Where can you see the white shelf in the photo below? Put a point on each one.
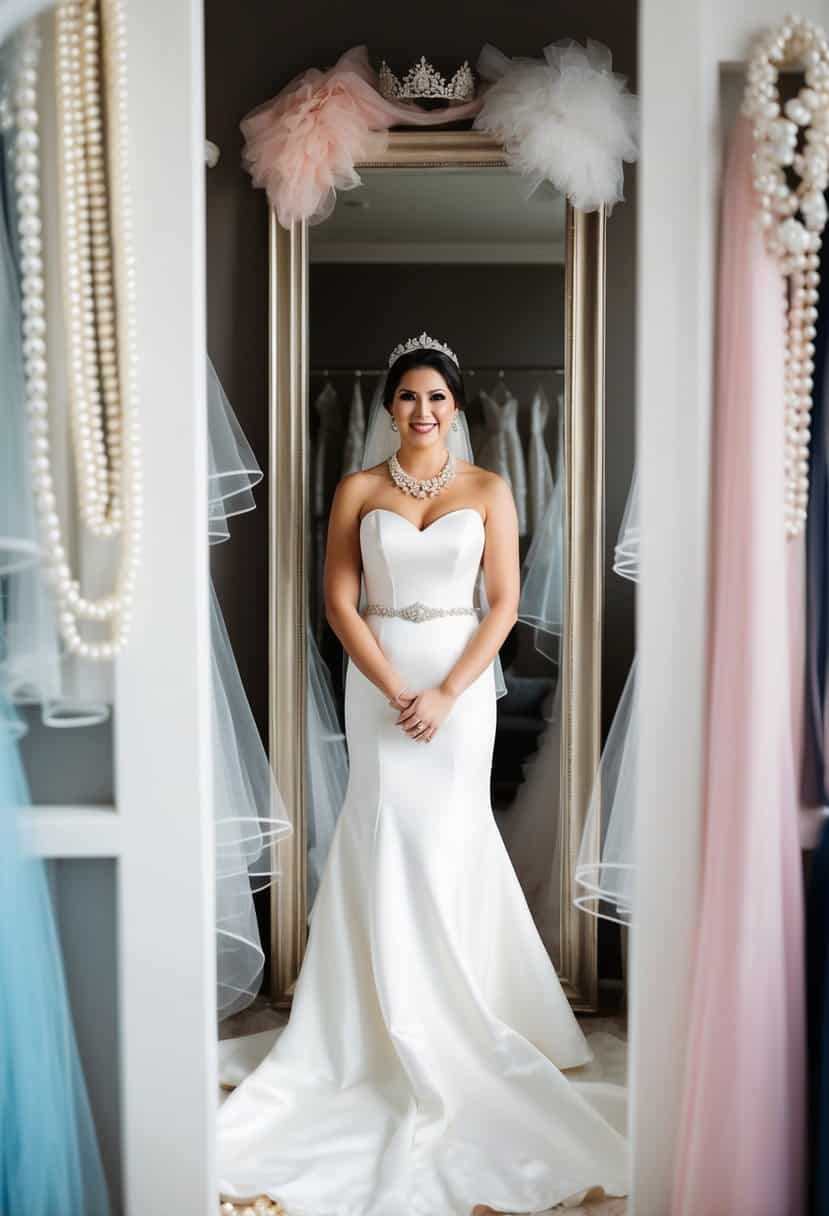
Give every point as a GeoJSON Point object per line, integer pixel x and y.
{"type": "Point", "coordinates": [72, 831]}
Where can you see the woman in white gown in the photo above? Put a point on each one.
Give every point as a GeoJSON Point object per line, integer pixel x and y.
{"type": "Point", "coordinates": [420, 1072]}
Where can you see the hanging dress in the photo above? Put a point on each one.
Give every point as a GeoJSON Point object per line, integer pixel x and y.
{"type": "Point", "coordinates": [740, 1146]}
{"type": "Point", "coordinates": [501, 450]}
{"type": "Point", "coordinates": [541, 603]}
{"type": "Point", "coordinates": [355, 430]}
{"type": "Point", "coordinates": [539, 472]}
{"type": "Point", "coordinates": [325, 473]}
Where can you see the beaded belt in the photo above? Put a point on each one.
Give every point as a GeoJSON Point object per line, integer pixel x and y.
{"type": "Point", "coordinates": [417, 611]}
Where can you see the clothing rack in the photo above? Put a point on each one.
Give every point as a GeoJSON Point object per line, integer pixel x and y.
{"type": "Point", "coordinates": [500, 369]}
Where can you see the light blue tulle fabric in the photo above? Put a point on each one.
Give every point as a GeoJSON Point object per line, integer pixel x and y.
{"type": "Point", "coordinates": [50, 1164]}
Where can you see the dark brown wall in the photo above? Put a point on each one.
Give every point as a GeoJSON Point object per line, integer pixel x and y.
{"type": "Point", "coordinates": [358, 313]}
{"type": "Point", "coordinates": [252, 49]}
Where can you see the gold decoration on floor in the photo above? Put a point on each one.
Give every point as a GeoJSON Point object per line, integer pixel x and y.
{"type": "Point", "coordinates": [263, 1206]}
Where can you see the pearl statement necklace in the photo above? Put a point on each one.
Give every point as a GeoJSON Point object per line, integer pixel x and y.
{"type": "Point", "coordinates": [793, 219]}
{"type": "Point", "coordinates": [109, 473]}
{"type": "Point", "coordinates": [426, 487]}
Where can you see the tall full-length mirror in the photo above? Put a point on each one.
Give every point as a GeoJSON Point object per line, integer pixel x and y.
{"type": "Point", "coordinates": [514, 286]}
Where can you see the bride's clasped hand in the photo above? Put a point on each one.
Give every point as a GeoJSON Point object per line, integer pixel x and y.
{"type": "Point", "coordinates": [422, 713]}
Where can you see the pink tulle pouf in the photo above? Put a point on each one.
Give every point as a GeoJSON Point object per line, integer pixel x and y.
{"type": "Point", "coordinates": [302, 146]}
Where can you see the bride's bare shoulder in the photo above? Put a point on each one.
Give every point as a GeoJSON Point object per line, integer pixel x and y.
{"type": "Point", "coordinates": [491, 489]}
{"type": "Point", "coordinates": [480, 480]}
{"type": "Point", "coordinates": [353, 489]}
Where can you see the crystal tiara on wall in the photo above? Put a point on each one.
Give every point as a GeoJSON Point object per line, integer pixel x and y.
{"type": "Point", "coordinates": [424, 342]}
{"type": "Point", "coordinates": [422, 80]}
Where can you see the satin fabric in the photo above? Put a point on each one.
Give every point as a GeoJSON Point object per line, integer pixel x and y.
{"type": "Point", "coordinates": [420, 1070]}
{"type": "Point", "coordinates": [741, 1136]}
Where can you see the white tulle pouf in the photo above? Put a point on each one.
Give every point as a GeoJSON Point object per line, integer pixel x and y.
{"type": "Point", "coordinates": [567, 119]}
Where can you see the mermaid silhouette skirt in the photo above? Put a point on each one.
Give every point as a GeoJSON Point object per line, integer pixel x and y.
{"type": "Point", "coordinates": [421, 1071]}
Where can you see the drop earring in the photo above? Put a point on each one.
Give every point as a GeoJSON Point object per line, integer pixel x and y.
{"type": "Point", "coordinates": [455, 421]}
{"type": "Point", "coordinates": [393, 425]}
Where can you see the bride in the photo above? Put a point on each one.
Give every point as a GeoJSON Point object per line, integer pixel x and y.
{"type": "Point", "coordinates": [421, 1072]}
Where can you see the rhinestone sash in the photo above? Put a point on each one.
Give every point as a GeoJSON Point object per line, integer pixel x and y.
{"type": "Point", "coordinates": [417, 612]}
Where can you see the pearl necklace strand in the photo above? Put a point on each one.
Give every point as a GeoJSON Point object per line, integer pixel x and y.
{"type": "Point", "coordinates": [87, 268]}
{"type": "Point", "coordinates": [793, 219]}
{"type": "Point", "coordinates": [425, 487]}
{"type": "Point", "coordinates": [72, 606]}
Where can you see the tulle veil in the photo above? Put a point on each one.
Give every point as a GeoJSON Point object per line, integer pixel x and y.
{"type": "Point", "coordinates": [604, 871]}
{"type": "Point", "coordinates": [605, 868]}
{"type": "Point", "coordinates": [249, 813]}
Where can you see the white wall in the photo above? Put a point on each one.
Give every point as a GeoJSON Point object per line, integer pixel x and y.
{"type": "Point", "coordinates": [162, 770]}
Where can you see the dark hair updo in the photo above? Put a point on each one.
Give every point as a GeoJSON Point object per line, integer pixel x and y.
{"type": "Point", "coordinates": [447, 367]}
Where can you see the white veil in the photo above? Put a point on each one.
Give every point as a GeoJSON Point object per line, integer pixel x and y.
{"type": "Point", "coordinates": [604, 871]}
{"type": "Point", "coordinates": [604, 866]}
{"type": "Point", "coordinates": [381, 442]}
{"type": "Point", "coordinates": [249, 813]}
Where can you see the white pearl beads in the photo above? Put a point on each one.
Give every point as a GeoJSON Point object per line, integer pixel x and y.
{"type": "Point", "coordinates": [426, 487]}
{"type": "Point", "coordinates": [794, 241]}
{"type": "Point", "coordinates": [101, 347]}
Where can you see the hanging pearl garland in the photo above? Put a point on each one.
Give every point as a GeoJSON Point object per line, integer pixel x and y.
{"type": "Point", "coordinates": [119, 460]}
{"type": "Point", "coordinates": [793, 218]}
{"type": "Point", "coordinates": [87, 269]}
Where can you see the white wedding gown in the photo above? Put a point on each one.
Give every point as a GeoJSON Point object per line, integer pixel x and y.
{"type": "Point", "coordinates": [420, 1070]}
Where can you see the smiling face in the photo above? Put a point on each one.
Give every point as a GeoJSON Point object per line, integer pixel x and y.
{"type": "Point", "coordinates": [423, 408]}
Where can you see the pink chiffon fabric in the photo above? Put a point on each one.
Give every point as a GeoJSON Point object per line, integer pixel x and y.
{"type": "Point", "coordinates": [302, 145]}
{"type": "Point", "coordinates": [740, 1147]}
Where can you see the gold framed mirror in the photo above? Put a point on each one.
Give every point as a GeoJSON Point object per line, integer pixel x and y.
{"type": "Point", "coordinates": [581, 265]}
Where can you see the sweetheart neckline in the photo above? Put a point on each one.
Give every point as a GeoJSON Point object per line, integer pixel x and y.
{"type": "Point", "coordinates": [420, 531]}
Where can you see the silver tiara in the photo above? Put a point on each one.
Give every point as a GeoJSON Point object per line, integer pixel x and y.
{"type": "Point", "coordinates": [424, 342]}
{"type": "Point", "coordinates": [423, 80]}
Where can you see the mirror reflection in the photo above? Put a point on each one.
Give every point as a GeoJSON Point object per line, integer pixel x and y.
{"type": "Point", "coordinates": [462, 253]}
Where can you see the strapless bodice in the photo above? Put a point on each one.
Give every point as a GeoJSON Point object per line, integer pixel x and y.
{"type": "Point", "coordinates": [437, 565]}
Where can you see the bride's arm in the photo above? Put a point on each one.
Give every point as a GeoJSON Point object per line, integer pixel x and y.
{"type": "Point", "coordinates": [341, 588]}
{"type": "Point", "coordinates": [502, 578]}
